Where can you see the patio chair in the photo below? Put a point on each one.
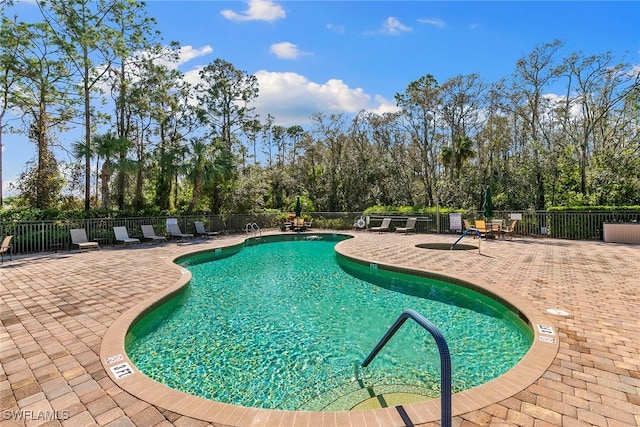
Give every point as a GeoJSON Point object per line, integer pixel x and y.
{"type": "Point", "coordinates": [174, 230]}
{"type": "Point", "coordinates": [123, 236]}
{"type": "Point", "coordinates": [5, 248]}
{"type": "Point", "coordinates": [509, 230]}
{"type": "Point", "coordinates": [480, 225]}
{"type": "Point", "coordinates": [298, 224]}
{"type": "Point", "coordinates": [200, 230]}
{"type": "Point", "coordinates": [149, 233]}
{"type": "Point", "coordinates": [385, 226]}
{"type": "Point", "coordinates": [79, 239]}
{"type": "Point", "coordinates": [307, 224]}
{"type": "Point", "coordinates": [409, 227]}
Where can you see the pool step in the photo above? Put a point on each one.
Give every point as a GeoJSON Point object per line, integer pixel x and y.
{"type": "Point", "coordinates": [357, 396]}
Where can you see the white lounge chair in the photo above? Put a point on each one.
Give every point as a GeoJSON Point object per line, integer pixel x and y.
{"type": "Point", "coordinates": [79, 238]}
{"type": "Point", "coordinates": [200, 230]}
{"type": "Point", "coordinates": [175, 231]}
{"type": "Point", "coordinates": [123, 236]}
{"type": "Point", "coordinates": [385, 226]}
{"type": "Point", "coordinates": [149, 233]}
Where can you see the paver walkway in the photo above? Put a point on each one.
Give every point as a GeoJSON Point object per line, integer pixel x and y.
{"type": "Point", "coordinates": [55, 309]}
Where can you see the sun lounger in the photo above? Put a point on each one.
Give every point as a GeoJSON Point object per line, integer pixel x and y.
{"type": "Point", "coordinates": [123, 236]}
{"type": "Point", "coordinates": [201, 231]}
{"type": "Point", "coordinates": [149, 233]}
{"type": "Point", "coordinates": [79, 238]}
{"type": "Point", "coordinates": [174, 230]}
{"type": "Point", "coordinates": [385, 226]}
{"type": "Point", "coordinates": [410, 226]}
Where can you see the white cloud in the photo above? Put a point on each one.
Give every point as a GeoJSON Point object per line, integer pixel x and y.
{"type": "Point", "coordinates": [259, 10]}
{"type": "Point", "coordinates": [394, 27]}
{"type": "Point", "coordinates": [286, 50]}
{"type": "Point", "coordinates": [292, 98]}
{"type": "Point", "coordinates": [384, 106]}
{"type": "Point", "coordinates": [336, 28]}
{"type": "Point", "coordinates": [193, 75]}
{"type": "Point", "coordinates": [187, 53]}
{"type": "Point", "coordinates": [436, 22]}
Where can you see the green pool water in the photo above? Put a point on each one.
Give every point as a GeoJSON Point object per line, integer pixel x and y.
{"type": "Point", "coordinates": [285, 325]}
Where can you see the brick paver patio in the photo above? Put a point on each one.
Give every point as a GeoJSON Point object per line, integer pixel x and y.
{"type": "Point", "coordinates": [56, 309]}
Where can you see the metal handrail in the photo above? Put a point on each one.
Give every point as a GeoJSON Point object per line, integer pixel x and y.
{"type": "Point", "coordinates": [253, 228]}
{"type": "Point", "coordinates": [443, 349]}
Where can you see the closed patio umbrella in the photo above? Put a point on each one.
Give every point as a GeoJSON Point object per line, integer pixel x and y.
{"type": "Point", "coordinates": [298, 208]}
{"type": "Point", "coordinates": [488, 204]}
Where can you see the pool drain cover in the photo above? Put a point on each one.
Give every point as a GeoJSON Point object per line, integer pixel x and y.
{"type": "Point", "coordinates": [557, 312]}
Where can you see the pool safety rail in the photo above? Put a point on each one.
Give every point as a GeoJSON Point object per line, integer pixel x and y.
{"type": "Point", "coordinates": [443, 349]}
{"type": "Point", "coordinates": [254, 229]}
{"type": "Point", "coordinates": [469, 231]}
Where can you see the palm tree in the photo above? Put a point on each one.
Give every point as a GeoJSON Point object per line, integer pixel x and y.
{"type": "Point", "coordinates": [108, 146]}
{"type": "Point", "coordinates": [209, 167]}
{"type": "Point", "coordinates": [464, 151]}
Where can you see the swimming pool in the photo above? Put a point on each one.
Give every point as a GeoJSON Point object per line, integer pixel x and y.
{"type": "Point", "coordinates": [283, 325]}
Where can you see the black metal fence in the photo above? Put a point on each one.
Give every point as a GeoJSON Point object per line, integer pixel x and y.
{"type": "Point", "coordinates": [575, 225]}
{"type": "Point", "coordinates": [42, 236]}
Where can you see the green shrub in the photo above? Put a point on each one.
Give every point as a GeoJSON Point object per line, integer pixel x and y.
{"type": "Point", "coordinates": [333, 223]}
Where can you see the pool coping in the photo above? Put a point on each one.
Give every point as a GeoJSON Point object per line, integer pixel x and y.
{"type": "Point", "coordinates": [124, 373]}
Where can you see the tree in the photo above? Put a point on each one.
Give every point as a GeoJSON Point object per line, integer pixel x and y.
{"type": "Point", "coordinates": [267, 139]}
{"type": "Point", "coordinates": [462, 101]}
{"type": "Point", "coordinates": [81, 28]}
{"type": "Point", "coordinates": [457, 156]}
{"type": "Point", "coordinates": [330, 131]}
{"type": "Point", "coordinates": [14, 40]}
{"type": "Point", "coordinates": [42, 79]}
{"type": "Point", "coordinates": [137, 52]}
{"type": "Point", "coordinates": [108, 146]}
{"type": "Point", "coordinates": [251, 130]}
{"type": "Point", "coordinates": [602, 86]}
{"type": "Point", "coordinates": [41, 185]}
{"type": "Point", "coordinates": [295, 133]}
{"type": "Point", "coordinates": [223, 97]}
{"type": "Point", "coordinates": [533, 75]}
{"type": "Point", "coordinates": [224, 94]}
{"type": "Point", "coordinates": [420, 103]}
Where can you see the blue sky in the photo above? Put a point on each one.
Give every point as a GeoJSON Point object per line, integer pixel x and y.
{"type": "Point", "coordinates": [327, 56]}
